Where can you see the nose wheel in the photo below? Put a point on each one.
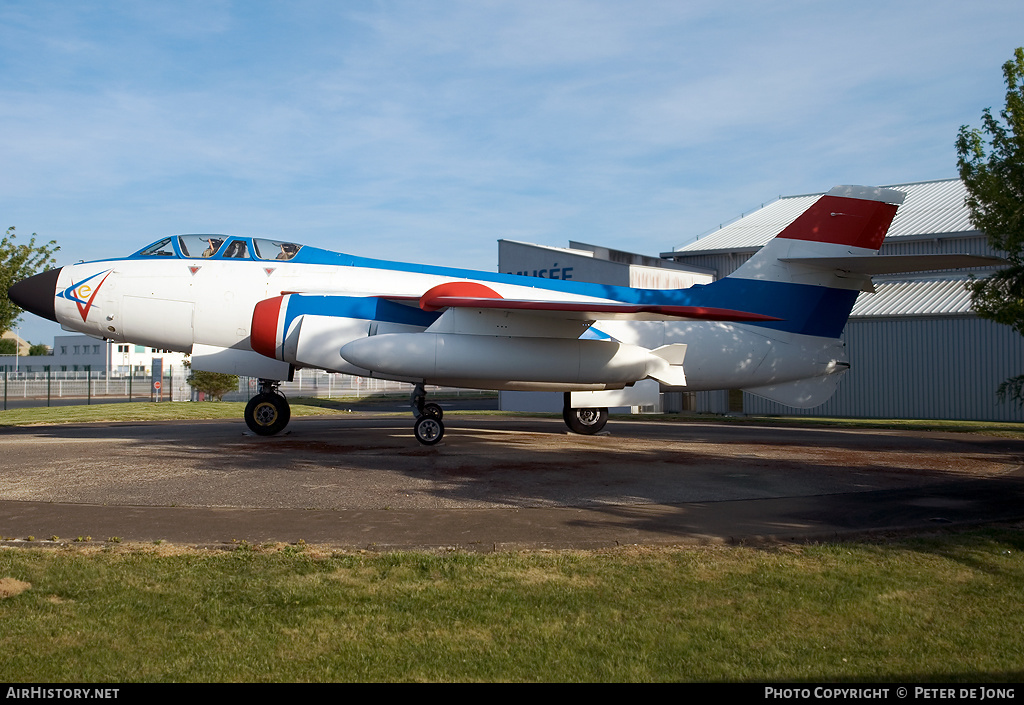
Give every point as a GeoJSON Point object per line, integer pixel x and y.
{"type": "Point", "coordinates": [268, 412]}
{"type": "Point", "coordinates": [428, 429]}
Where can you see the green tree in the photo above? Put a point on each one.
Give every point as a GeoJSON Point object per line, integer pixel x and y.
{"type": "Point", "coordinates": [18, 261]}
{"type": "Point", "coordinates": [8, 346]}
{"type": "Point", "coordinates": [38, 349]}
{"type": "Point", "coordinates": [991, 164]}
{"type": "Point", "coordinates": [214, 384]}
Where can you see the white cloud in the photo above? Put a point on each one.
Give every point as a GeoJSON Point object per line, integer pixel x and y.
{"type": "Point", "coordinates": [429, 130]}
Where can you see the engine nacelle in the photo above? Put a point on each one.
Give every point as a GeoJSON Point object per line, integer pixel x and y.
{"type": "Point", "coordinates": [309, 331]}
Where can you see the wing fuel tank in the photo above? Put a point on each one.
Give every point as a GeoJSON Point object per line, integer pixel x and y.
{"type": "Point", "coordinates": [453, 356]}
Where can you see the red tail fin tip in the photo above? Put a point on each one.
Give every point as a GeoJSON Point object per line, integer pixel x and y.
{"type": "Point", "coordinates": [858, 216]}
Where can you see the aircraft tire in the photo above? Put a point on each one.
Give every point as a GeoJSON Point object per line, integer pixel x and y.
{"type": "Point", "coordinates": [585, 421]}
{"type": "Point", "coordinates": [267, 414]}
{"type": "Point", "coordinates": [433, 411]}
{"type": "Point", "coordinates": [428, 430]}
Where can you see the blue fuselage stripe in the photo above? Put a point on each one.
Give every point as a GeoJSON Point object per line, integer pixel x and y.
{"type": "Point", "coordinates": [361, 307]}
{"type": "Point", "coordinates": [804, 309]}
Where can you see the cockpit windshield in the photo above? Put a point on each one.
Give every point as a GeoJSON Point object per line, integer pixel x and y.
{"type": "Point", "coordinates": [164, 248]}
{"type": "Point", "coordinates": [275, 249]}
{"type": "Point", "coordinates": [200, 245]}
{"type": "Point", "coordinates": [236, 249]}
{"type": "Point", "coordinates": [221, 247]}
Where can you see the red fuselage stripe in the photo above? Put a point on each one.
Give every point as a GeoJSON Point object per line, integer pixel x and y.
{"type": "Point", "coordinates": [263, 336]}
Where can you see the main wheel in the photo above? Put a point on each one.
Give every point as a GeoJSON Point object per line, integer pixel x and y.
{"type": "Point", "coordinates": [433, 410]}
{"type": "Point", "coordinates": [267, 414]}
{"type": "Point", "coordinates": [585, 421]}
{"type": "Point", "coordinates": [428, 430]}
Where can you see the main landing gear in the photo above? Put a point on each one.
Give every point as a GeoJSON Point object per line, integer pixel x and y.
{"type": "Point", "coordinates": [586, 421]}
{"type": "Point", "coordinates": [268, 412]}
{"type": "Point", "coordinates": [428, 428]}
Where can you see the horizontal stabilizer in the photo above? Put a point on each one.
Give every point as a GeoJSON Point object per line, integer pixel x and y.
{"type": "Point", "coordinates": [871, 265]}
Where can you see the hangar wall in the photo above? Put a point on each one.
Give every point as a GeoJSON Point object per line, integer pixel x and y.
{"type": "Point", "coordinates": [920, 368]}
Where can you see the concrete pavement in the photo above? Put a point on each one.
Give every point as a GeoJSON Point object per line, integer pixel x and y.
{"type": "Point", "coordinates": [495, 483]}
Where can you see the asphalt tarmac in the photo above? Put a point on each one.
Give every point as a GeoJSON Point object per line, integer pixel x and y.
{"type": "Point", "coordinates": [361, 481]}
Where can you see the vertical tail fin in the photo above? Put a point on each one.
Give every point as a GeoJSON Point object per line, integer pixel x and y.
{"type": "Point", "coordinates": [848, 221]}
{"type": "Point", "coordinates": [855, 216]}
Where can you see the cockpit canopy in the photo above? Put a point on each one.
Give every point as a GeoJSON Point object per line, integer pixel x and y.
{"type": "Point", "coordinates": [220, 247]}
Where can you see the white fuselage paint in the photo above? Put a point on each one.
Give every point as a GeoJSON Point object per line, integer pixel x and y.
{"type": "Point", "coordinates": [164, 303]}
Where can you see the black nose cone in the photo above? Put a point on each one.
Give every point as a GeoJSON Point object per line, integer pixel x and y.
{"type": "Point", "coordinates": [36, 294]}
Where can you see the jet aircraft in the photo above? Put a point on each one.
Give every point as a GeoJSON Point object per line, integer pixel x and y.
{"type": "Point", "coordinates": [263, 308]}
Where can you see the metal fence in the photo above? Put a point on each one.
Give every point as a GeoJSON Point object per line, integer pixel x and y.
{"type": "Point", "coordinates": [60, 388]}
{"type": "Point", "coordinates": [327, 385]}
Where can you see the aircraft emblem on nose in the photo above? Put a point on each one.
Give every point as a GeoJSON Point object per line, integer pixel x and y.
{"type": "Point", "coordinates": [83, 293]}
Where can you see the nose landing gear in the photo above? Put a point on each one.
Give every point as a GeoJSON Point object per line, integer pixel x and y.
{"type": "Point", "coordinates": [268, 412]}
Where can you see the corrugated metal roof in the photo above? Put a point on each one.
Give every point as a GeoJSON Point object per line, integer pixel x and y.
{"type": "Point", "coordinates": [931, 208]}
{"type": "Point", "coordinates": [756, 229]}
{"type": "Point", "coordinates": [928, 297]}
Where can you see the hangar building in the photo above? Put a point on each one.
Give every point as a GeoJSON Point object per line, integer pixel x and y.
{"type": "Point", "coordinates": [916, 348]}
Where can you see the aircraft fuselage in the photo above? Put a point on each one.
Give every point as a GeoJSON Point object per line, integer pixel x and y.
{"type": "Point", "coordinates": [179, 303]}
{"type": "Point", "coordinates": [263, 308]}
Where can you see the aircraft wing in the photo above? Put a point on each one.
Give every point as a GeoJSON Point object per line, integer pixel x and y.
{"type": "Point", "coordinates": [468, 332]}
{"type": "Point", "coordinates": [477, 296]}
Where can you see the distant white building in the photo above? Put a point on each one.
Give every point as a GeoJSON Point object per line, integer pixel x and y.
{"type": "Point", "coordinates": [77, 353]}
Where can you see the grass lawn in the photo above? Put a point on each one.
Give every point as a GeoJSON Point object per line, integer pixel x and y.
{"type": "Point", "coordinates": [941, 608]}
{"type": "Point", "coordinates": [303, 406]}
{"type": "Point", "coordinates": [147, 411]}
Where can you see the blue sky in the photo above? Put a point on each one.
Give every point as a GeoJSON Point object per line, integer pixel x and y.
{"type": "Point", "coordinates": [425, 131]}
